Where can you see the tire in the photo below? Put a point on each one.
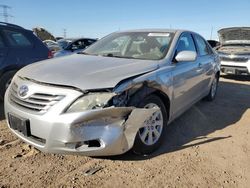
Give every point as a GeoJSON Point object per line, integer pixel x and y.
{"type": "Point", "coordinates": [148, 145]}
{"type": "Point", "coordinates": [213, 90]}
{"type": "Point", "coordinates": [4, 82]}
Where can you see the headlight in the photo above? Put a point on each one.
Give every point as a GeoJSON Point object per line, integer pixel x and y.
{"type": "Point", "coordinates": [90, 101]}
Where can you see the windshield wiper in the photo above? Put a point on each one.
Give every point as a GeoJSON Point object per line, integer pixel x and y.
{"type": "Point", "coordinates": [84, 53]}
{"type": "Point", "coordinates": [112, 55]}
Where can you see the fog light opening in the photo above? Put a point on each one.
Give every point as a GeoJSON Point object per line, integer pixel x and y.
{"type": "Point", "coordinates": [84, 144]}
{"type": "Point", "coordinates": [93, 143]}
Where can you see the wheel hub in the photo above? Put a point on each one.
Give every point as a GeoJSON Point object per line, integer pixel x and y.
{"type": "Point", "coordinates": [151, 132]}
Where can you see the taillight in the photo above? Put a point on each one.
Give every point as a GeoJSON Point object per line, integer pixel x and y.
{"type": "Point", "coordinates": [50, 55]}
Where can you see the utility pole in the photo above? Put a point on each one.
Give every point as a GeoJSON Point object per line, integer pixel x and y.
{"type": "Point", "coordinates": [64, 33]}
{"type": "Point", "coordinates": [211, 34]}
{"type": "Point", "coordinates": [5, 13]}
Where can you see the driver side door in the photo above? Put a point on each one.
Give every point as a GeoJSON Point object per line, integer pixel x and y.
{"type": "Point", "coordinates": [186, 77]}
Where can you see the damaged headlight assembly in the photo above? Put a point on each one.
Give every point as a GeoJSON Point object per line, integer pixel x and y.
{"type": "Point", "coordinates": [90, 102]}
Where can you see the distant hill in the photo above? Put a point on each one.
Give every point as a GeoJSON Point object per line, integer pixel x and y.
{"type": "Point", "coordinates": [43, 34]}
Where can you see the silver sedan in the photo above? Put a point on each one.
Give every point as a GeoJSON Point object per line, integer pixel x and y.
{"type": "Point", "coordinates": [118, 94]}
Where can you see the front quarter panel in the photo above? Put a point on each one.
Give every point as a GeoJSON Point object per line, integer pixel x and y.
{"type": "Point", "coordinates": [138, 88]}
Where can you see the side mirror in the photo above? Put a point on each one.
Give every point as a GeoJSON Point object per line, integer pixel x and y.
{"type": "Point", "coordinates": [186, 56]}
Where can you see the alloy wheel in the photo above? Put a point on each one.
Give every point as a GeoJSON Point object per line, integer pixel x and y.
{"type": "Point", "coordinates": [152, 130]}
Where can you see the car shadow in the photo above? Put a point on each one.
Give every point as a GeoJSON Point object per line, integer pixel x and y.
{"type": "Point", "coordinates": [193, 127]}
{"type": "Point", "coordinates": [237, 77]}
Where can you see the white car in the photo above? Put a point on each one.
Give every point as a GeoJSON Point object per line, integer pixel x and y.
{"type": "Point", "coordinates": [234, 51]}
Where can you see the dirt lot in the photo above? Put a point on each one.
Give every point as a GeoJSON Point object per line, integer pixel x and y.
{"type": "Point", "coordinates": [208, 146]}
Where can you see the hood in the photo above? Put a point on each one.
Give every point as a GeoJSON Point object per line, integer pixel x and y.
{"type": "Point", "coordinates": [234, 35]}
{"type": "Point", "coordinates": [86, 72]}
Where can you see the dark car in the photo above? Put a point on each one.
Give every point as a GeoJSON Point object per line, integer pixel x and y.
{"type": "Point", "coordinates": [18, 48]}
{"type": "Point", "coordinates": [214, 43]}
{"type": "Point", "coordinates": [72, 46]}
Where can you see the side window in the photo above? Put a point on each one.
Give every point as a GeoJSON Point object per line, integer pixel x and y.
{"type": "Point", "coordinates": [201, 45]}
{"type": "Point", "coordinates": [17, 39]}
{"type": "Point", "coordinates": [80, 44]}
{"type": "Point", "coordinates": [185, 43]}
{"type": "Point", "coordinates": [1, 42]}
{"type": "Point", "coordinates": [90, 42]}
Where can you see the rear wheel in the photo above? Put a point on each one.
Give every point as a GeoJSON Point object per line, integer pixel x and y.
{"type": "Point", "coordinates": [213, 89]}
{"type": "Point", "coordinates": [150, 136]}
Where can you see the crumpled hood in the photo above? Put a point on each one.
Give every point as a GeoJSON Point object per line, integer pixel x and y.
{"type": "Point", "coordinates": [86, 72]}
{"type": "Point", "coordinates": [234, 35]}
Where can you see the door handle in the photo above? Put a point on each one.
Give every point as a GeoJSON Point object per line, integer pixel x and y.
{"type": "Point", "coordinates": [199, 68]}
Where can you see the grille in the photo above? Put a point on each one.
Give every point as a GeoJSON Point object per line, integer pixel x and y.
{"type": "Point", "coordinates": [37, 102]}
{"type": "Point", "coordinates": [235, 59]}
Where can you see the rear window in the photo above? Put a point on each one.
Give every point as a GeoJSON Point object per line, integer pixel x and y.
{"type": "Point", "coordinates": [202, 46]}
{"type": "Point", "coordinates": [17, 39]}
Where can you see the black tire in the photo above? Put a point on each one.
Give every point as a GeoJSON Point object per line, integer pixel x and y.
{"type": "Point", "coordinates": [211, 96]}
{"type": "Point", "coordinates": [5, 79]}
{"type": "Point", "coordinates": [139, 146]}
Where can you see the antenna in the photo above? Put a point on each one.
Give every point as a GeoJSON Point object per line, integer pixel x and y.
{"type": "Point", "coordinates": [5, 13]}
{"type": "Point", "coordinates": [211, 34]}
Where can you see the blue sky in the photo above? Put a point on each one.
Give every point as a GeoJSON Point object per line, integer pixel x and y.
{"type": "Point", "coordinates": [92, 18]}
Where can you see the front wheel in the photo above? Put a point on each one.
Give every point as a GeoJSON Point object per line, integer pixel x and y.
{"type": "Point", "coordinates": [150, 136]}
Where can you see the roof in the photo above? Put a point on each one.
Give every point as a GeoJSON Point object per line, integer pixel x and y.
{"type": "Point", "coordinates": [152, 30]}
{"type": "Point", "coordinates": [10, 25]}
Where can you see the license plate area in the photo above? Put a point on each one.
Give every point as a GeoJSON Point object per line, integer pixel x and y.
{"type": "Point", "coordinates": [20, 124]}
{"type": "Point", "coordinates": [230, 71]}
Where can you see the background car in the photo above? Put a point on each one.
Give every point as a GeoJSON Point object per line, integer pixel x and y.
{"type": "Point", "coordinates": [63, 43]}
{"type": "Point", "coordinates": [18, 48]}
{"type": "Point", "coordinates": [214, 43]}
{"type": "Point", "coordinates": [52, 45]}
{"type": "Point", "coordinates": [234, 50]}
{"type": "Point", "coordinates": [70, 46]}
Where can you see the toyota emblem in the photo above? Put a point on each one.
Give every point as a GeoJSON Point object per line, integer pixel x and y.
{"type": "Point", "coordinates": [23, 90]}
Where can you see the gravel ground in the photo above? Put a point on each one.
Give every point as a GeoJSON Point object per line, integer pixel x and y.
{"type": "Point", "coordinates": [208, 146]}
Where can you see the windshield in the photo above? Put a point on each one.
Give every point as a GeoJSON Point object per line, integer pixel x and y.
{"type": "Point", "coordinates": [136, 45]}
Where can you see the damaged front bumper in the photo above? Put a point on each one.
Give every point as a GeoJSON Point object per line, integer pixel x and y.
{"type": "Point", "coordinates": [100, 132]}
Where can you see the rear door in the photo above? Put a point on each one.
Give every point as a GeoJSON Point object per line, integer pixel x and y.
{"type": "Point", "coordinates": [186, 77]}
{"type": "Point", "coordinates": [20, 47]}
{"type": "Point", "coordinates": [3, 52]}
{"type": "Point", "coordinates": [205, 61]}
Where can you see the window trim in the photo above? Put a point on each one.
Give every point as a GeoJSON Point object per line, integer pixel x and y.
{"type": "Point", "coordinates": [177, 43]}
